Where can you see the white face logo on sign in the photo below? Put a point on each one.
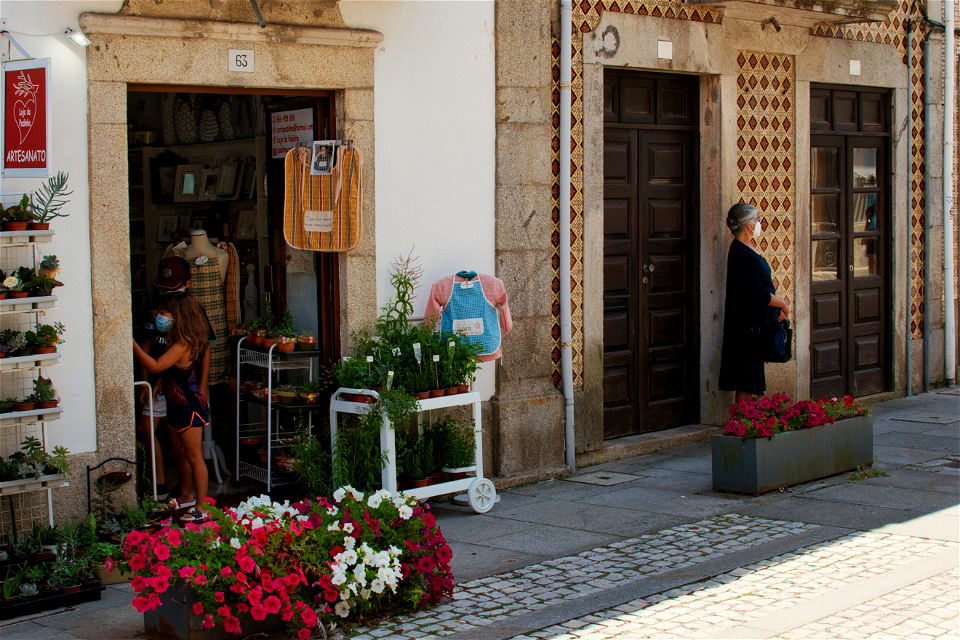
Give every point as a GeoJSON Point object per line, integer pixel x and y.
{"type": "Point", "coordinates": [318, 221]}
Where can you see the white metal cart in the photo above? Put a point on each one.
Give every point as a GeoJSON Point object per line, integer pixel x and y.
{"type": "Point", "coordinates": [271, 360]}
{"type": "Point", "coordinates": [480, 491]}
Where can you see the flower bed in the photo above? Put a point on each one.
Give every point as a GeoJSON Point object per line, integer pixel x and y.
{"type": "Point", "coordinates": [814, 439]}
{"type": "Point", "coordinates": [301, 564]}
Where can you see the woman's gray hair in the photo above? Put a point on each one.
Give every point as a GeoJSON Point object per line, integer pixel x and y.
{"type": "Point", "coordinates": [739, 215]}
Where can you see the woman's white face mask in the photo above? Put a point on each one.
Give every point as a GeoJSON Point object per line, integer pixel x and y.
{"type": "Point", "coordinates": [757, 228]}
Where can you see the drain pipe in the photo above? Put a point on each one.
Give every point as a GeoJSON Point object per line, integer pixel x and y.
{"type": "Point", "coordinates": [949, 106]}
{"type": "Point", "coordinates": [909, 129]}
{"type": "Point", "coordinates": [928, 146]}
{"type": "Point", "coordinates": [566, 353]}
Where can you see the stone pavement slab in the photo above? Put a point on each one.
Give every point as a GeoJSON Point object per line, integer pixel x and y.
{"type": "Point", "coordinates": [885, 496]}
{"type": "Point", "coordinates": [686, 481]}
{"type": "Point", "coordinates": [473, 561]}
{"type": "Point", "coordinates": [919, 481]}
{"type": "Point", "coordinates": [923, 441]}
{"type": "Point", "coordinates": [477, 528]}
{"type": "Point", "coordinates": [851, 516]}
{"type": "Point", "coordinates": [657, 501]}
{"type": "Point", "coordinates": [901, 457]}
{"type": "Point", "coordinates": [940, 525]}
{"type": "Point", "coordinates": [592, 517]}
{"type": "Point", "coordinates": [699, 464]}
{"type": "Point", "coordinates": [548, 541]}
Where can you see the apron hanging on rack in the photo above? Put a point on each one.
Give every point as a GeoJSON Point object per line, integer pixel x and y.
{"type": "Point", "coordinates": [322, 213]}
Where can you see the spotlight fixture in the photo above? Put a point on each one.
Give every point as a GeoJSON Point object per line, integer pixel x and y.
{"type": "Point", "coordinates": [77, 37]}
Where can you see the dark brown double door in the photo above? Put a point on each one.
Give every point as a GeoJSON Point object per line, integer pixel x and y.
{"type": "Point", "coordinates": [849, 247]}
{"type": "Point", "coordinates": [651, 339]}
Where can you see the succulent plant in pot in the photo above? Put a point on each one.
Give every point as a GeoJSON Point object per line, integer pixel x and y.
{"type": "Point", "coordinates": [27, 404]}
{"type": "Point", "coordinates": [14, 286]}
{"type": "Point", "coordinates": [287, 393]}
{"type": "Point", "coordinates": [17, 345]}
{"type": "Point", "coordinates": [310, 391]}
{"type": "Point", "coordinates": [48, 337]}
{"type": "Point", "coordinates": [45, 393]}
{"type": "Point", "coordinates": [48, 200]}
{"type": "Point", "coordinates": [306, 341]}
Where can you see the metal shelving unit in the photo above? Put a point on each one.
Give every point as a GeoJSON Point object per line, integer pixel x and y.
{"type": "Point", "coordinates": [480, 491]}
{"type": "Point", "coordinates": [273, 361]}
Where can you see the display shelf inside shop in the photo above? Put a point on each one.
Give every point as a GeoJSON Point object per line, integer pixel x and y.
{"type": "Point", "coordinates": [25, 238]}
{"type": "Point", "coordinates": [26, 417]}
{"type": "Point", "coordinates": [25, 485]}
{"type": "Point", "coordinates": [26, 305]}
{"type": "Point", "coordinates": [26, 363]}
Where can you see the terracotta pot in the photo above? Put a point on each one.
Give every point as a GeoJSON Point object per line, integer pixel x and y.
{"type": "Point", "coordinates": [286, 347]}
{"type": "Point", "coordinates": [269, 342]}
{"type": "Point", "coordinates": [362, 399]}
{"type": "Point", "coordinates": [71, 589]}
{"type": "Point", "coordinates": [437, 478]}
{"type": "Point", "coordinates": [284, 463]}
{"type": "Point", "coordinates": [252, 338]}
{"type": "Point", "coordinates": [463, 388]}
{"type": "Point", "coordinates": [309, 398]}
{"type": "Point", "coordinates": [287, 398]}
{"type": "Point", "coordinates": [250, 442]}
{"type": "Point", "coordinates": [24, 406]}
{"type": "Point", "coordinates": [17, 294]}
{"type": "Point", "coordinates": [3, 295]}
{"type": "Point", "coordinates": [3, 354]}
{"type": "Point", "coordinates": [419, 484]}
{"type": "Point", "coordinates": [452, 391]}
{"type": "Point", "coordinates": [421, 395]}
{"type": "Point", "coordinates": [436, 393]}
{"type": "Point", "coordinates": [305, 343]}
{"type": "Point", "coordinates": [26, 351]}
{"type": "Point", "coordinates": [38, 554]}
{"type": "Point", "coordinates": [457, 475]}
{"type": "Point", "coordinates": [258, 341]}
{"type": "Point", "coordinates": [14, 226]}
{"type": "Point", "coordinates": [50, 404]}
{"type": "Point", "coordinates": [262, 453]}
{"type": "Point", "coordinates": [38, 226]}
{"type": "Point", "coordinates": [234, 385]}
{"type": "Point", "coordinates": [45, 350]}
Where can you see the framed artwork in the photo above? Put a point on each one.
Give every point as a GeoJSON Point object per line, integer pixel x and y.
{"type": "Point", "coordinates": [324, 157]}
{"type": "Point", "coordinates": [167, 228]}
{"type": "Point", "coordinates": [209, 184]}
{"type": "Point", "coordinates": [228, 179]}
{"type": "Point", "coordinates": [248, 183]}
{"type": "Point", "coordinates": [163, 176]}
{"type": "Point", "coordinates": [188, 184]}
{"type": "Point", "coordinates": [246, 225]}
{"type": "Point", "coordinates": [198, 220]}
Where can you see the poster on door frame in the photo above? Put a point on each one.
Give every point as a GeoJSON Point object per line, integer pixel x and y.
{"type": "Point", "coordinates": [288, 128]}
{"type": "Point", "coordinates": [26, 119]}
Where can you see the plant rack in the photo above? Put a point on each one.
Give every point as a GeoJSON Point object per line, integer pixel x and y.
{"type": "Point", "coordinates": [481, 493]}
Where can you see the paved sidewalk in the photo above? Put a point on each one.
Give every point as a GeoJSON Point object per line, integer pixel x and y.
{"type": "Point", "coordinates": [644, 548]}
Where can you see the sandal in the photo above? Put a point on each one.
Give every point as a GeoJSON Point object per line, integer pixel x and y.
{"type": "Point", "coordinates": [194, 515]}
{"type": "Point", "coordinates": [176, 504]}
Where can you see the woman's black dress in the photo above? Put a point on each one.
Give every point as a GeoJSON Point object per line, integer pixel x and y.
{"type": "Point", "coordinates": [749, 287]}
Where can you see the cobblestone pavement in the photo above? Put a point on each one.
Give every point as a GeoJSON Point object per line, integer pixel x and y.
{"type": "Point", "coordinates": [496, 598]}
{"type": "Point", "coordinates": [775, 591]}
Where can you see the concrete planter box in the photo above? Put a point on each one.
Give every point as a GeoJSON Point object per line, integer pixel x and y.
{"type": "Point", "coordinates": [758, 465]}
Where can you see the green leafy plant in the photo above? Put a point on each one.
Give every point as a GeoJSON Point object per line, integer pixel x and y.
{"type": "Point", "coordinates": [418, 460]}
{"type": "Point", "coordinates": [31, 340]}
{"type": "Point", "coordinates": [42, 282]}
{"type": "Point", "coordinates": [44, 535]}
{"type": "Point", "coordinates": [58, 460]}
{"type": "Point", "coordinates": [458, 442]}
{"type": "Point", "coordinates": [11, 584]}
{"type": "Point", "coordinates": [309, 387]}
{"type": "Point", "coordinates": [19, 212]}
{"type": "Point", "coordinates": [399, 406]}
{"type": "Point", "coordinates": [49, 199]}
{"type": "Point", "coordinates": [48, 335]}
{"type": "Point", "coordinates": [314, 462]}
{"type": "Point", "coordinates": [36, 457]}
{"type": "Point", "coordinates": [43, 389]}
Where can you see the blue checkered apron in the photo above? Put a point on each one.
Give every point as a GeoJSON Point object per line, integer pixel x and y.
{"type": "Point", "coordinates": [469, 312]}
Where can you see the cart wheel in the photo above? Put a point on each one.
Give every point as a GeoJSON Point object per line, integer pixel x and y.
{"type": "Point", "coordinates": [482, 494]}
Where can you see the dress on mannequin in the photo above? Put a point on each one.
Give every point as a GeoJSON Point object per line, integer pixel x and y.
{"type": "Point", "coordinates": [208, 270]}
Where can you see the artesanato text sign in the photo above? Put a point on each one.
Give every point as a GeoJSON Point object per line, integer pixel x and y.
{"type": "Point", "coordinates": [26, 118]}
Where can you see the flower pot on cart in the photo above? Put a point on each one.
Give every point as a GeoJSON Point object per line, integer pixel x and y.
{"type": "Point", "coordinates": [759, 465]}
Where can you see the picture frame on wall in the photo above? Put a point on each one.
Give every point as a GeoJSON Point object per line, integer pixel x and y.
{"type": "Point", "coordinates": [227, 184]}
{"type": "Point", "coordinates": [167, 228]}
{"type": "Point", "coordinates": [188, 184]}
{"type": "Point", "coordinates": [245, 227]}
{"type": "Point", "coordinates": [248, 183]}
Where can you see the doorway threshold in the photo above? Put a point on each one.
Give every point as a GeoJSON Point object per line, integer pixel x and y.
{"type": "Point", "coordinates": [645, 443]}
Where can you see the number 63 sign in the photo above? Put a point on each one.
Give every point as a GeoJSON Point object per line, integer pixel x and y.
{"type": "Point", "coordinates": [240, 60]}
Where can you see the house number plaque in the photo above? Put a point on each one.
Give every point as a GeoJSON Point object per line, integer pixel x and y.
{"type": "Point", "coordinates": [240, 60]}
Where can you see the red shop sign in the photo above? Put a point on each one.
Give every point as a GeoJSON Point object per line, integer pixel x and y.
{"type": "Point", "coordinates": [26, 118]}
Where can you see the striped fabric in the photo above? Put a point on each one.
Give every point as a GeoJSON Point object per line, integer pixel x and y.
{"type": "Point", "coordinates": [340, 192]}
{"type": "Point", "coordinates": [231, 286]}
{"type": "Point", "coordinates": [208, 290]}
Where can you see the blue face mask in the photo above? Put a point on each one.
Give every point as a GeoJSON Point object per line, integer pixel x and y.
{"type": "Point", "coordinates": [163, 323]}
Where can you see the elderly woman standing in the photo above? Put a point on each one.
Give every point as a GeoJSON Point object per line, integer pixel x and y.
{"type": "Point", "coordinates": [750, 293]}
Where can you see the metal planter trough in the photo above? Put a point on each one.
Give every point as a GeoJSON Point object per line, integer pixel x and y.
{"type": "Point", "coordinates": [758, 465]}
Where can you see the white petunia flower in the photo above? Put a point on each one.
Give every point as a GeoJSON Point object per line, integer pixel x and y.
{"type": "Point", "coordinates": [360, 574]}
{"type": "Point", "coordinates": [235, 543]}
{"type": "Point", "coordinates": [405, 512]}
{"type": "Point", "coordinates": [377, 585]}
{"type": "Point", "coordinates": [338, 578]}
{"type": "Point", "coordinates": [348, 527]}
{"type": "Point", "coordinates": [349, 542]}
{"type": "Point", "coordinates": [339, 494]}
{"type": "Point", "coordinates": [332, 511]}
{"type": "Point", "coordinates": [365, 594]}
{"type": "Point", "coordinates": [374, 501]}
{"type": "Point", "coordinates": [357, 495]}
{"type": "Point", "coordinates": [334, 527]}
{"type": "Point", "coordinates": [349, 556]}
{"type": "Point", "coordinates": [342, 609]}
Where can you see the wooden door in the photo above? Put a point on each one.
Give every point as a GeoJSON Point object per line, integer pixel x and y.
{"type": "Point", "coordinates": [849, 162]}
{"type": "Point", "coordinates": [651, 341]}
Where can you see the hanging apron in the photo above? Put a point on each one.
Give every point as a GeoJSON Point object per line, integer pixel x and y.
{"type": "Point", "coordinates": [470, 313]}
{"type": "Point", "coordinates": [322, 213]}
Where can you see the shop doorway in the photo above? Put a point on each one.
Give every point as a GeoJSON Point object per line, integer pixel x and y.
{"type": "Point", "coordinates": [850, 242]}
{"type": "Point", "coordinates": [651, 205]}
{"type": "Point", "coordinates": [204, 159]}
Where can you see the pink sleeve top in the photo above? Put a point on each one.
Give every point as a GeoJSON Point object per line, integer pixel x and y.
{"type": "Point", "coordinates": [493, 289]}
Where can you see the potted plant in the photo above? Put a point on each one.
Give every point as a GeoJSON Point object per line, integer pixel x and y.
{"type": "Point", "coordinates": [27, 404]}
{"type": "Point", "coordinates": [48, 337]}
{"type": "Point", "coordinates": [306, 341]}
{"type": "Point", "coordinates": [44, 393]}
{"type": "Point", "coordinates": [70, 572]}
{"type": "Point", "coordinates": [772, 442]}
{"type": "Point", "coordinates": [418, 460]}
{"type": "Point", "coordinates": [47, 202]}
{"type": "Point", "coordinates": [42, 282]}
{"type": "Point", "coordinates": [44, 542]}
{"type": "Point", "coordinates": [6, 405]}
{"type": "Point", "coordinates": [309, 391]}
{"type": "Point", "coordinates": [459, 449]}
{"type": "Point", "coordinates": [419, 380]}
{"type": "Point", "coordinates": [17, 217]}
{"type": "Point", "coordinates": [14, 286]}
{"type": "Point", "coordinates": [287, 394]}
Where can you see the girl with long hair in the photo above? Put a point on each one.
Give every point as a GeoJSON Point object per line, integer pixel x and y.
{"type": "Point", "coordinates": [183, 367]}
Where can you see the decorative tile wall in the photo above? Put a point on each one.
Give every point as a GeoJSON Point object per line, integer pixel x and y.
{"type": "Point", "coordinates": [766, 157]}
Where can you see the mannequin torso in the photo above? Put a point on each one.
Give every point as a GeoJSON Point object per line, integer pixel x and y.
{"type": "Point", "coordinates": [200, 246]}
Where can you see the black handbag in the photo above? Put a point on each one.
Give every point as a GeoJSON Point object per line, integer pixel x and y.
{"type": "Point", "coordinates": [776, 338]}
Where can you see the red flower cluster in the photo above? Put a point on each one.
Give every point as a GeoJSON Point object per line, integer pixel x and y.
{"type": "Point", "coordinates": [765, 417]}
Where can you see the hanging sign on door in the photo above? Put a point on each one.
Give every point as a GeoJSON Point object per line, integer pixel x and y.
{"type": "Point", "coordinates": [26, 121]}
{"type": "Point", "coordinates": [287, 128]}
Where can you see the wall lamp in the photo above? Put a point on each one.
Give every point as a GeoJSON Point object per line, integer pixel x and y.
{"type": "Point", "coordinates": [77, 37]}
